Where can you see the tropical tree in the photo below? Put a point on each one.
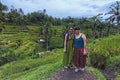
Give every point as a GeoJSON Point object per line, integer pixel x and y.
{"type": "Point", "coordinates": [3, 7]}
{"type": "Point", "coordinates": [47, 34]}
{"type": "Point", "coordinates": [96, 25]}
{"type": "Point", "coordinates": [114, 13]}
{"type": "Point", "coordinates": [2, 15]}
{"type": "Point", "coordinates": [13, 15]}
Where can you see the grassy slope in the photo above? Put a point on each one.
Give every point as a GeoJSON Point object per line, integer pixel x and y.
{"type": "Point", "coordinates": [37, 69]}
{"type": "Point", "coordinates": [108, 48]}
{"type": "Point", "coordinates": [34, 69]}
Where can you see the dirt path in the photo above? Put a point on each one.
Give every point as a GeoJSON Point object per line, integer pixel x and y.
{"type": "Point", "coordinates": [69, 74]}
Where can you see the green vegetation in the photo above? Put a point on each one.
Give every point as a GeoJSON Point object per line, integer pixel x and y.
{"type": "Point", "coordinates": [105, 53]}
{"type": "Point", "coordinates": [37, 69]}
{"type": "Point", "coordinates": [18, 46]}
{"type": "Point", "coordinates": [103, 49]}
{"type": "Point", "coordinates": [97, 73]}
{"type": "Point", "coordinates": [20, 43]}
{"type": "Point", "coordinates": [113, 61]}
{"type": "Point", "coordinates": [33, 69]}
{"type": "Point", "coordinates": [118, 77]}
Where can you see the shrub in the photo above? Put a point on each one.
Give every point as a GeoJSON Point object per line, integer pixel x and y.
{"type": "Point", "coordinates": [32, 69]}
{"type": "Point", "coordinates": [104, 48]}
{"type": "Point", "coordinates": [56, 42]}
{"type": "Point", "coordinates": [18, 46]}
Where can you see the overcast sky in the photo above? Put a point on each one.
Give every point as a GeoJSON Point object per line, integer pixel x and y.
{"type": "Point", "coordinates": [63, 8]}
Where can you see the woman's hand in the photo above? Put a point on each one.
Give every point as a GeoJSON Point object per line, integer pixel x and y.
{"type": "Point", "coordinates": [64, 50]}
{"type": "Point", "coordinates": [85, 52]}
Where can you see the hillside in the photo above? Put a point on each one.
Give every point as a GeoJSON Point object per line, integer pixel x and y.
{"type": "Point", "coordinates": [37, 69]}
{"type": "Point", "coordinates": [31, 45]}
{"type": "Point", "coordinates": [105, 55]}
{"type": "Point", "coordinates": [21, 56]}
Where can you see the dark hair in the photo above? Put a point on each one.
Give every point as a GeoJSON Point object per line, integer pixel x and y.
{"type": "Point", "coordinates": [77, 28]}
{"type": "Point", "coordinates": [70, 27]}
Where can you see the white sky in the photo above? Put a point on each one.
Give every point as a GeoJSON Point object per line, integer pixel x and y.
{"type": "Point", "coordinates": [63, 8]}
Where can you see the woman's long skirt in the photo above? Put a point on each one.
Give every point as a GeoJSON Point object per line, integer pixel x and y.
{"type": "Point", "coordinates": [79, 60]}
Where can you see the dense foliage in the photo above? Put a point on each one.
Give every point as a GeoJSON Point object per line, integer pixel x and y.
{"type": "Point", "coordinates": [26, 69]}
{"type": "Point", "coordinates": [99, 27]}
{"type": "Point", "coordinates": [17, 46]}
{"type": "Point", "coordinates": [37, 69]}
{"type": "Point", "coordinates": [105, 51]}
{"type": "Point", "coordinates": [20, 44]}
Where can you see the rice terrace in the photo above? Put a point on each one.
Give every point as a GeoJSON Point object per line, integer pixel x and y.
{"type": "Point", "coordinates": [32, 39]}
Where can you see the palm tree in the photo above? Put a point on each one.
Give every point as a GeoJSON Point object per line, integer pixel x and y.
{"type": "Point", "coordinates": [3, 7]}
{"type": "Point", "coordinates": [114, 13]}
{"type": "Point", "coordinates": [96, 24]}
{"type": "Point", "coordinates": [46, 34]}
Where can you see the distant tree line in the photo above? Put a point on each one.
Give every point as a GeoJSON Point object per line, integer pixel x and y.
{"type": "Point", "coordinates": [99, 27]}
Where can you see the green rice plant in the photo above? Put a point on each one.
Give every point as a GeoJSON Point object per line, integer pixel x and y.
{"type": "Point", "coordinates": [118, 77]}
{"type": "Point", "coordinates": [44, 72]}
{"type": "Point", "coordinates": [18, 46]}
{"type": "Point", "coordinates": [38, 69]}
{"type": "Point", "coordinates": [104, 48]}
{"type": "Point", "coordinates": [33, 28]}
{"type": "Point", "coordinates": [97, 73]}
{"type": "Point", "coordinates": [56, 42]}
{"type": "Point", "coordinates": [113, 61]}
{"type": "Point", "coordinates": [21, 67]}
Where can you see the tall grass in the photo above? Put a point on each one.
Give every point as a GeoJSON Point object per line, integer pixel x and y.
{"type": "Point", "coordinates": [32, 69]}
{"type": "Point", "coordinates": [97, 73]}
{"type": "Point", "coordinates": [18, 46]}
{"type": "Point", "coordinates": [37, 69]}
{"type": "Point", "coordinates": [103, 49]}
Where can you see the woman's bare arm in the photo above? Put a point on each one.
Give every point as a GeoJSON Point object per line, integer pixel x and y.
{"type": "Point", "coordinates": [84, 39]}
{"type": "Point", "coordinates": [65, 41]}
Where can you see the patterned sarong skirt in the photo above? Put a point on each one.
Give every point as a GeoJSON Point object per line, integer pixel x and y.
{"type": "Point", "coordinates": [79, 60]}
